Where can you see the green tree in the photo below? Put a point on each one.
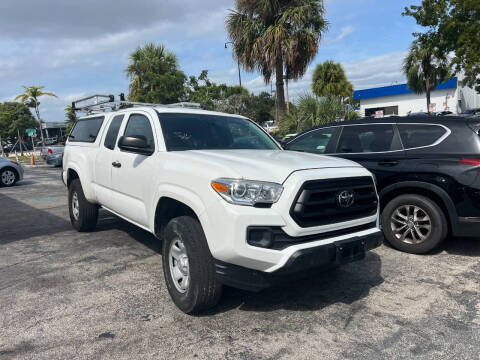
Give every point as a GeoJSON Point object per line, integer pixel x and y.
{"type": "Point", "coordinates": [276, 36]}
{"type": "Point", "coordinates": [424, 68]}
{"type": "Point", "coordinates": [208, 93]}
{"type": "Point", "coordinates": [30, 97]}
{"type": "Point", "coordinates": [456, 27]}
{"type": "Point", "coordinates": [71, 118]}
{"type": "Point", "coordinates": [255, 107]}
{"type": "Point", "coordinates": [15, 118]}
{"type": "Point", "coordinates": [329, 78]}
{"type": "Point", "coordinates": [312, 111]}
{"type": "Point", "coordinates": [154, 76]}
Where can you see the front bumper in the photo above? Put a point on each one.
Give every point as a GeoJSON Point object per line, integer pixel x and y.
{"type": "Point", "coordinates": [302, 261]}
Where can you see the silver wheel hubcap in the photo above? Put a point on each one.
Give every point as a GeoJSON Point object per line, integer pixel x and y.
{"type": "Point", "coordinates": [411, 224]}
{"type": "Point", "coordinates": [75, 206]}
{"type": "Point", "coordinates": [179, 266]}
{"type": "Point", "coordinates": [8, 177]}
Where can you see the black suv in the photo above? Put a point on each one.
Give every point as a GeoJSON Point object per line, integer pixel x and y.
{"type": "Point", "coordinates": [427, 171]}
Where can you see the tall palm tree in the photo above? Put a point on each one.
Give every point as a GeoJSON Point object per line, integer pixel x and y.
{"type": "Point", "coordinates": [329, 79]}
{"type": "Point", "coordinates": [154, 75]}
{"type": "Point", "coordinates": [273, 36]}
{"type": "Point", "coordinates": [424, 68]}
{"type": "Point", "coordinates": [30, 98]}
{"type": "Point", "coordinates": [71, 118]}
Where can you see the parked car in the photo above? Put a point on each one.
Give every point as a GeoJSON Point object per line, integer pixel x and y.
{"type": "Point", "coordinates": [427, 171]}
{"type": "Point", "coordinates": [10, 172]}
{"type": "Point", "coordinates": [472, 112]}
{"type": "Point", "coordinates": [53, 155]}
{"type": "Point", "coordinates": [229, 204]}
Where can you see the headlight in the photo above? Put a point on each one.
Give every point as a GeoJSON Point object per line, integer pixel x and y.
{"type": "Point", "coordinates": [246, 192]}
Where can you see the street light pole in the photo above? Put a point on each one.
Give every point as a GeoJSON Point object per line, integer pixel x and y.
{"type": "Point", "coordinates": [238, 64]}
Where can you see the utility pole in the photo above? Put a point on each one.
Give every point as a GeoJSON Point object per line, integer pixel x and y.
{"type": "Point", "coordinates": [238, 64]}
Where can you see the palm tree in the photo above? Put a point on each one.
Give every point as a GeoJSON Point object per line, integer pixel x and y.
{"type": "Point", "coordinates": [71, 118]}
{"type": "Point", "coordinates": [30, 98]}
{"type": "Point", "coordinates": [329, 79]}
{"type": "Point", "coordinates": [154, 75]}
{"type": "Point", "coordinates": [273, 36]}
{"type": "Point", "coordinates": [424, 68]}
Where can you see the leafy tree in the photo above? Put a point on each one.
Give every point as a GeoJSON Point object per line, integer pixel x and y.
{"type": "Point", "coordinates": [424, 68]}
{"type": "Point", "coordinates": [15, 118]}
{"type": "Point", "coordinates": [209, 93]}
{"type": "Point", "coordinates": [273, 36]}
{"type": "Point", "coordinates": [329, 79]}
{"type": "Point", "coordinates": [30, 98]}
{"type": "Point", "coordinates": [71, 118]}
{"type": "Point", "coordinates": [256, 107]}
{"type": "Point", "coordinates": [455, 24]}
{"type": "Point", "coordinates": [154, 76]}
{"type": "Point", "coordinates": [312, 111]}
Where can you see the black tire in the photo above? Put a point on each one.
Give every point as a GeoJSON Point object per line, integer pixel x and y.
{"type": "Point", "coordinates": [204, 290]}
{"type": "Point", "coordinates": [438, 230]}
{"type": "Point", "coordinates": [87, 215]}
{"type": "Point", "coordinates": [3, 172]}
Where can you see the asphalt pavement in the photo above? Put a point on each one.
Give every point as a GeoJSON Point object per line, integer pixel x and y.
{"type": "Point", "coordinates": [102, 295]}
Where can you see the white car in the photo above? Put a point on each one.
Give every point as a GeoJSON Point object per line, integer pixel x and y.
{"type": "Point", "coordinates": [11, 172]}
{"type": "Point", "coordinates": [230, 206]}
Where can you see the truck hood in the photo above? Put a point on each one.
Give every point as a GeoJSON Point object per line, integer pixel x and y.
{"type": "Point", "coordinates": [262, 165]}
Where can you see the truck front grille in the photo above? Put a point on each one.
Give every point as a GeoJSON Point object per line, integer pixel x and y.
{"type": "Point", "coordinates": [330, 201]}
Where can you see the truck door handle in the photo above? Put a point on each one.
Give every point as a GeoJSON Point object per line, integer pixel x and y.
{"type": "Point", "coordinates": [388, 163]}
{"type": "Point", "coordinates": [116, 164]}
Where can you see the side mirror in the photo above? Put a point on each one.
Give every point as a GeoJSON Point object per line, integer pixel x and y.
{"type": "Point", "coordinates": [136, 144]}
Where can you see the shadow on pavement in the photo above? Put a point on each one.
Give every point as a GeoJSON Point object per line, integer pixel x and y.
{"type": "Point", "coordinates": [19, 221]}
{"type": "Point", "coordinates": [463, 246]}
{"type": "Point", "coordinates": [346, 285]}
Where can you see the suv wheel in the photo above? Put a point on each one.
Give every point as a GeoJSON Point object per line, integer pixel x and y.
{"type": "Point", "coordinates": [8, 177]}
{"type": "Point", "coordinates": [188, 266]}
{"type": "Point", "coordinates": [414, 224]}
{"type": "Point", "coordinates": [83, 215]}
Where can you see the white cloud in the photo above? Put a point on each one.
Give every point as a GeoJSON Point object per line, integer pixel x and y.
{"type": "Point", "coordinates": [375, 71]}
{"type": "Point", "coordinates": [344, 32]}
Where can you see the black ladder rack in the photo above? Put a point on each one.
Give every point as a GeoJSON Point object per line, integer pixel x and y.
{"type": "Point", "coordinates": [106, 103]}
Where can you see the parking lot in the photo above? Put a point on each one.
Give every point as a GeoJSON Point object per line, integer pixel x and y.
{"type": "Point", "coordinates": [65, 294]}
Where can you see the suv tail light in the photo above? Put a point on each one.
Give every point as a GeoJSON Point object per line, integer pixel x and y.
{"type": "Point", "coordinates": [472, 162]}
{"type": "Point", "coordinates": [50, 151]}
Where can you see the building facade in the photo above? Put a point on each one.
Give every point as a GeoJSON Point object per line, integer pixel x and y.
{"type": "Point", "coordinates": [400, 100]}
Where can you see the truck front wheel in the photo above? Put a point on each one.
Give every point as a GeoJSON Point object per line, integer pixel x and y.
{"type": "Point", "coordinates": [83, 215]}
{"type": "Point", "coordinates": [188, 266]}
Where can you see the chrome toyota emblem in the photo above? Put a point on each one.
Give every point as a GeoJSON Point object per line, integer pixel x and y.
{"type": "Point", "coordinates": [345, 198]}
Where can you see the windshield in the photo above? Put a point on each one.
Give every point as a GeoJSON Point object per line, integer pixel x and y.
{"type": "Point", "coordinates": [211, 132]}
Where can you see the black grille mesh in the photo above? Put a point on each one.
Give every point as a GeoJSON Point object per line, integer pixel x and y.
{"type": "Point", "coordinates": [317, 203]}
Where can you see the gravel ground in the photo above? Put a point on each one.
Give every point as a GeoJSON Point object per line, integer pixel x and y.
{"type": "Point", "coordinates": [102, 295]}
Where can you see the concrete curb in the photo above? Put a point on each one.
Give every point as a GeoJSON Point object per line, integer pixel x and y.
{"type": "Point", "coordinates": [28, 166]}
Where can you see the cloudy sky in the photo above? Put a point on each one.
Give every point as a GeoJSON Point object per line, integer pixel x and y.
{"type": "Point", "coordinates": [76, 48]}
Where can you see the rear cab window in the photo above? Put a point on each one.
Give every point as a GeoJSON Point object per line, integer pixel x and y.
{"type": "Point", "coordinates": [86, 130]}
{"type": "Point", "coordinates": [112, 133]}
{"type": "Point", "coordinates": [421, 135]}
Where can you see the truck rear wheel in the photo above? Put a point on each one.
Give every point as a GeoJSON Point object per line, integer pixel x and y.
{"type": "Point", "coordinates": [189, 267]}
{"type": "Point", "coordinates": [83, 215]}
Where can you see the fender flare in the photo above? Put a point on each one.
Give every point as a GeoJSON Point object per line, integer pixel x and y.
{"type": "Point", "coordinates": [180, 194]}
{"type": "Point", "coordinates": [87, 190]}
{"type": "Point", "coordinates": [442, 194]}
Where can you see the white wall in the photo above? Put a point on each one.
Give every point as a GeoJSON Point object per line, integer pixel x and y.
{"type": "Point", "coordinates": [413, 102]}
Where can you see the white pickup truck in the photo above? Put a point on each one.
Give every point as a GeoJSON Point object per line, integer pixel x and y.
{"type": "Point", "coordinates": [230, 206]}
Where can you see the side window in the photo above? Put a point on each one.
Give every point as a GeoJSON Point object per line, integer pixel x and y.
{"type": "Point", "coordinates": [139, 125]}
{"type": "Point", "coordinates": [86, 130]}
{"type": "Point", "coordinates": [316, 141]}
{"type": "Point", "coordinates": [368, 139]}
{"type": "Point", "coordinates": [112, 133]}
{"type": "Point", "coordinates": [414, 136]}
